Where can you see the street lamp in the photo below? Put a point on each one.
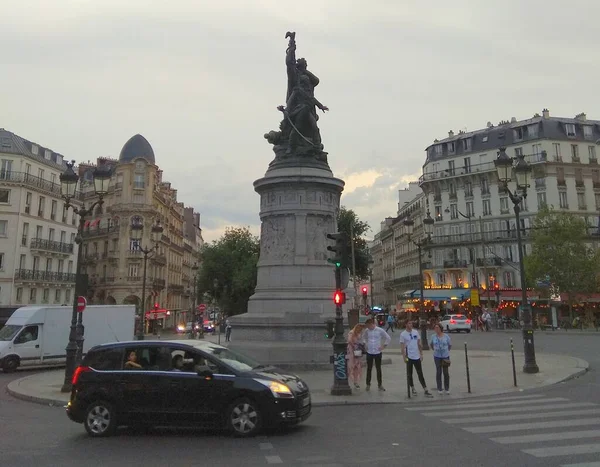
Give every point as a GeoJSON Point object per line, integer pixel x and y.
{"type": "Point", "coordinates": [156, 233]}
{"type": "Point", "coordinates": [194, 298]}
{"type": "Point", "coordinates": [504, 167]}
{"type": "Point", "coordinates": [68, 190]}
{"type": "Point", "coordinates": [428, 227]}
{"type": "Point", "coordinates": [217, 315]}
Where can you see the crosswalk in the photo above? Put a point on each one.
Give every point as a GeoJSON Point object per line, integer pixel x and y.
{"type": "Point", "coordinates": [552, 428]}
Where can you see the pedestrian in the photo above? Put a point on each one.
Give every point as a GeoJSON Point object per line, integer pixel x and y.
{"type": "Point", "coordinates": [412, 350]}
{"type": "Point", "coordinates": [375, 340]}
{"type": "Point", "coordinates": [227, 330]}
{"type": "Point", "coordinates": [441, 345]}
{"type": "Point", "coordinates": [390, 323]}
{"type": "Point", "coordinates": [487, 320]}
{"type": "Point", "coordinates": [354, 353]}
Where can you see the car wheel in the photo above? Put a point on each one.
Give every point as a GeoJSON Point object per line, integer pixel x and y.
{"type": "Point", "coordinates": [468, 331]}
{"type": "Point", "coordinates": [10, 365]}
{"type": "Point", "coordinates": [100, 419]}
{"type": "Point", "coordinates": [244, 418]}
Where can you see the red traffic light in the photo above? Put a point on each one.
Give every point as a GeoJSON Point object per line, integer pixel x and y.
{"type": "Point", "coordinates": [339, 298]}
{"type": "Point", "coordinates": [497, 286]}
{"type": "Point", "coordinates": [364, 290]}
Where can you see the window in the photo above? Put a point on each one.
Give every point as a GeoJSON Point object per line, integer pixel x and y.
{"type": "Point", "coordinates": [439, 150]}
{"type": "Point", "coordinates": [135, 244]}
{"type": "Point", "coordinates": [467, 144]}
{"type": "Point", "coordinates": [22, 261]}
{"type": "Point", "coordinates": [39, 231]}
{"type": "Point", "coordinates": [5, 169]}
{"type": "Point", "coordinates": [19, 298]}
{"type": "Point", "coordinates": [53, 210]}
{"type": "Point", "coordinates": [537, 152]}
{"type": "Point", "coordinates": [32, 295]}
{"type": "Point", "coordinates": [523, 206]}
{"type": "Point", "coordinates": [588, 132]}
{"type": "Point", "coordinates": [1, 261]}
{"type": "Point", "coordinates": [470, 209]}
{"type": "Point", "coordinates": [64, 214]}
{"type": "Point", "coordinates": [70, 267]}
{"type": "Point", "coordinates": [518, 133]}
{"type": "Point", "coordinates": [563, 200]}
{"type": "Point", "coordinates": [57, 296]}
{"type": "Point", "coordinates": [28, 203]}
{"type": "Point", "coordinates": [41, 206]}
{"type": "Point", "coordinates": [4, 196]}
{"type": "Point", "coordinates": [556, 151]}
{"type": "Point", "coordinates": [61, 265]}
{"type": "Point", "coordinates": [532, 131]}
{"type": "Point", "coordinates": [28, 169]}
{"type": "Point", "coordinates": [41, 174]}
{"type": "Point", "coordinates": [105, 359]}
{"type": "Point", "coordinates": [541, 200]}
{"type": "Point", "coordinates": [438, 213]}
{"type": "Point", "coordinates": [134, 270]}
{"type": "Point", "coordinates": [518, 152]}
{"type": "Point", "coordinates": [53, 179]}
{"type": "Point", "coordinates": [575, 152]}
{"type": "Point", "coordinates": [453, 211]}
{"type": "Point", "coordinates": [46, 296]}
{"type": "Point", "coordinates": [450, 147]}
{"type": "Point", "coordinates": [503, 205]}
{"type": "Point", "coordinates": [487, 208]}
{"type": "Point", "coordinates": [3, 228]}
{"type": "Point", "coordinates": [29, 334]}
{"type": "Point", "coordinates": [485, 186]}
{"type": "Point", "coordinates": [139, 198]}
{"type": "Point", "coordinates": [581, 201]}
{"type": "Point", "coordinates": [63, 236]}
{"type": "Point", "coordinates": [509, 280]}
{"type": "Point", "coordinates": [36, 263]}
{"type": "Point", "coordinates": [49, 265]}
{"type": "Point", "coordinates": [467, 165]}
{"type": "Point", "coordinates": [68, 296]}
{"type": "Point", "coordinates": [51, 234]}
{"type": "Point", "coordinates": [468, 189]}
{"type": "Point", "coordinates": [450, 167]}
{"type": "Point", "coordinates": [139, 181]}
{"type": "Point", "coordinates": [72, 238]}
{"type": "Point", "coordinates": [570, 129]}
{"type": "Point", "coordinates": [592, 153]}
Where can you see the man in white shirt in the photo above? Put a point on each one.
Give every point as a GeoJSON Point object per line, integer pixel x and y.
{"type": "Point", "coordinates": [375, 340]}
{"type": "Point", "coordinates": [412, 350]}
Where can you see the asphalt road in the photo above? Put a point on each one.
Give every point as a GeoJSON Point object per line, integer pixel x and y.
{"type": "Point", "coordinates": [419, 434]}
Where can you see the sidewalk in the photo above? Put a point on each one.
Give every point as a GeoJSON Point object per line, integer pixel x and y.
{"type": "Point", "coordinates": [490, 373]}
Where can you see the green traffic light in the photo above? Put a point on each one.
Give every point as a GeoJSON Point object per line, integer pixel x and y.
{"type": "Point", "coordinates": [338, 264]}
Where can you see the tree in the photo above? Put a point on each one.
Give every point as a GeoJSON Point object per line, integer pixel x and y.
{"type": "Point", "coordinates": [348, 222]}
{"type": "Point", "coordinates": [561, 251]}
{"type": "Point", "coordinates": [231, 260]}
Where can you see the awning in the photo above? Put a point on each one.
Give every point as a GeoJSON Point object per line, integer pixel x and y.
{"type": "Point", "coordinates": [86, 224]}
{"type": "Point", "coordinates": [95, 222]}
{"type": "Point", "coordinates": [443, 294]}
{"type": "Point", "coordinates": [408, 293]}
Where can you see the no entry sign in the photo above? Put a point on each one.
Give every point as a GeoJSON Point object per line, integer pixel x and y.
{"type": "Point", "coordinates": [81, 304]}
{"type": "Point", "coordinates": [202, 307]}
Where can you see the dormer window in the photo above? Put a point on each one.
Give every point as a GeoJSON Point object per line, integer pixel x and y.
{"type": "Point", "coordinates": [34, 149]}
{"type": "Point", "coordinates": [47, 154]}
{"type": "Point", "coordinates": [570, 129]}
{"type": "Point", "coordinates": [439, 150]}
{"type": "Point", "coordinates": [518, 133]}
{"type": "Point", "coordinates": [59, 159]}
{"type": "Point", "coordinates": [467, 144]}
{"type": "Point", "coordinates": [588, 132]}
{"type": "Point", "coordinates": [450, 147]}
{"type": "Point", "coordinates": [532, 131]}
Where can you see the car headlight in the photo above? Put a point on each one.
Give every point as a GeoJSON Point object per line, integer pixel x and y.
{"type": "Point", "coordinates": [278, 390]}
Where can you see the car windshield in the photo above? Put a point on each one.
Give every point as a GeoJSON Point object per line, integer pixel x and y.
{"type": "Point", "coordinates": [8, 332]}
{"type": "Point", "coordinates": [459, 316]}
{"type": "Point", "coordinates": [233, 359]}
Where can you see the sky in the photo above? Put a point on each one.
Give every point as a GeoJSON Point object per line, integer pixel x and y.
{"type": "Point", "coordinates": [201, 80]}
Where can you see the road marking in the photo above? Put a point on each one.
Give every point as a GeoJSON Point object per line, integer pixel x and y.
{"type": "Point", "coordinates": [273, 460]}
{"type": "Point", "coordinates": [533, 426]}
{"type": "Point", "coordinates": [467, 411]}
{"type": "Point", "coordinates": [469, 401]}
{"type": "Point", "coordinates": [525, 416]}
{"type": "Point", "coordinates": [488, 404]}
{"type": "Point", "coordinates": [583, 464]}
{"type": "Point", "coordinates": [547, 437]}
{"type": "Point", "coordinates": [265, 446]}
{"type": "Point", "coordinates": [564, 450]}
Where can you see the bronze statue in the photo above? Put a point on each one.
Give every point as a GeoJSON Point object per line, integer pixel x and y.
{"type": "Point", "coordinates": [299, 134]}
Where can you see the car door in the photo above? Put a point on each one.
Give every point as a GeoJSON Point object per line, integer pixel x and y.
{"type": "Point", "coordinates": [28, 345]}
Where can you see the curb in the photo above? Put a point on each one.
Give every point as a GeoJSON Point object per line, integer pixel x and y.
{"type": "Point", "coordinates": [28, 398]}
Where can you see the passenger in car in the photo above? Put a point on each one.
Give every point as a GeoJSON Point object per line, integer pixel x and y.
{"type": "Point", "coordinates": [131, 363]}
{"type": "Point", "coordinates": [178, 363]}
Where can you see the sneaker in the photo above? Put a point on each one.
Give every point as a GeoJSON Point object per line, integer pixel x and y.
{"type": "Point", "coordinates": [427, 393]}
{"type": "Point", "coordinates": [368, 388]}
{"type": "Point", "coordinates": [440, 392]}
{"type": "Point", "coordinates": [381, 388]}
{"type": "Point", "coordinates": [448, 392]}
{"type": "Point", "coordinates": [414, 392]}
{"type": "Point", "coordinates": [357, 386]}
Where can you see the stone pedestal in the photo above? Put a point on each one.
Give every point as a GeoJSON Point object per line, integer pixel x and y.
{"type": "Point", "coordinates": [285, 322]}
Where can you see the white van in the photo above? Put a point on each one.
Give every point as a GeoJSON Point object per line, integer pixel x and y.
{"type": "Point", "coordinates": [38, 335]}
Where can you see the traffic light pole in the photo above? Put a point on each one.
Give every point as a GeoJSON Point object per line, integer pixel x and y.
{"type": "Point", "coordinates": [340, 366]}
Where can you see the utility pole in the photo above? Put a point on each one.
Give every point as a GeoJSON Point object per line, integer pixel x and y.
{"type": "Point", "coordinates": [487, 275]}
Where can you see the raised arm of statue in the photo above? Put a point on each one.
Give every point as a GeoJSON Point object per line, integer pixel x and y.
{"type": "Point", "coordinates": [290, 62]}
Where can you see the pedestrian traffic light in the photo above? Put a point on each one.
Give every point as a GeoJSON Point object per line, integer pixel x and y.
{"type": "Point", "coordinates": [340, 249]}
{"type": "Point", "coordinates": [156, 306]}
{"type": "Point", "coordinates": [339, 297]}
{"type": "Point", "coordinates": [497, 286]}
{"type": "Point", "coordinates": [329, 333]}
{"type": "Point", "coordinates": [364, 292]}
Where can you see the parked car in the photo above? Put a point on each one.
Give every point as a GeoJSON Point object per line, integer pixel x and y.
{"type": "Point", "coordinates": [209, 326]}
{"type": "Point", "coordinates": [176, 383]}
{"type": "Point", "coordinates": [456, 323]}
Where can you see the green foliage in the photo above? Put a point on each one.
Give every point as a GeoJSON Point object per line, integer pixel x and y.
{"type": "Point", "coordinates": [347, 218]}
{"type": "Point", "coordinates": [560, 250]}
{"type": "Point", "coordinates": [232, 261]}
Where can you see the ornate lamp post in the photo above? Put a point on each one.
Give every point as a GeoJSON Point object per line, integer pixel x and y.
{"type": "Point", "coordinates": [156, 232]}
{"type": "Point", "coordinates": [194, 304]}
{"type": "Point", "coordinates": [217, 315]}
{"type": "Point", "coordinates": [504, 167]}
{"type": "Point", "coordinates": [428, 227]}
{"type": "Point", "coordinates": [68, 190]}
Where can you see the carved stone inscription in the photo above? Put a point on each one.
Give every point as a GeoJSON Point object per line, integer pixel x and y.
{"type": "Point", "coordinates": [277, 237]}
{"type": "Point", "coordinates": [317, 228]}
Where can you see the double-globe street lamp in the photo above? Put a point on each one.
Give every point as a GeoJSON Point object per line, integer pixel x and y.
{"type": "Point", "coordinates": [505, 168]}
{"type": "Point", "coordinates": [68, 189]}
{"type": "Point", "coordinates": [428, 230]}
{"type": "Point", "coordinates": [156, 232]}
{"type": "Point", "coordinates": [194, 305]}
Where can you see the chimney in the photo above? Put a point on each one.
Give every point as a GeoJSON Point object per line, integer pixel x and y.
{"type": "Point", "coordinates": [513, 120]}
{"type": "Point", "coordinates": [546, 113]}
{"type": "Point", "coordinates": [450, 134]}
{"type": "Point", "coordinates": [489, 125]}
{"type": "Point", "coordinates": [582, 117]}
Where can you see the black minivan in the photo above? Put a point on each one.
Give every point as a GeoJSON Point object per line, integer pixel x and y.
{"type": "Point", "coordinates": [178, 383]}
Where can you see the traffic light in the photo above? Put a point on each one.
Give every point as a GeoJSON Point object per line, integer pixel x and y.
{"type": "Point", "coordinates": [340, 249]}
{"type": "Point", "coordinates": [339, 297]}
{"type": "Point", "coordinates": [156, 306]}
{"type": "Point", "coordinates": [364, 292]}
{"type": "Point", "coordinates": [329, 332]}
{"type": "Point", "coordinates": [497, 286]}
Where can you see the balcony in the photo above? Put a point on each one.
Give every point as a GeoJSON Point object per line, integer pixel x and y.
{"type": "Point", "coordinates": [22, 178]}
{"type": "Point", "coordinates": [134, 278]}
{"type": "Point", "coordinates": [593, 161]}
{"type": "Point", "coordinates": [159, 259]}
{"type": "Point", "coordinates": [43, 276]}
{"type": "Point", "coordinates": [100, 231]}
{"type": "Point", "coordinates": [481, 262]}
{"type": "Point", "coordinates": [106, 280]}
{"type": "Point", "coordinates": [427, 265]}
{"type": "Point", "coordinates": [90, 258]}
{"type": "Point", "coordinates": [134, 254]}
{"type": "Point", "coordinates": [560, 182]}
{"type": "Point", "coordinates": [579, 183]}
{"type": "Point", "coordinates": [177, 289]}
{"type": "Point", "coordinates": [158, 284]}
{"type": "Point", "coordinates": [576, 159]}
{"type": "Point", "coordinates": [453, 196]}
{"type": "Point", "coordinates": [51, 246]}
{"type": "Point", "coordinates": [455, 264]}
{"type": "Point", "coordinates": [540, 183]}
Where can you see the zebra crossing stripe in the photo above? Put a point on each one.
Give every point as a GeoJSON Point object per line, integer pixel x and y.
{"type": "Point", "coordinates": [564, 451]}
{"type": "Point", "coordinates": [547, 437]}
{"type": "Point", "coordinates": [488, 404]}
{"type": "Point", "coordinates": [467, 411]}
{"type": "Point", "coordinates": [583, 464]}
{"type": "Point", "coordinates": [469, 401]}
{"type": "Point", "coordinates": [533, 426]}
{"type": "Point", "coordinates": [521, 416]}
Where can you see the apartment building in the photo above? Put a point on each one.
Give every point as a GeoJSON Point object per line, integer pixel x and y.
{"type": "Point", "coordinates": [115, 236]}
{"type": "Point", "coordinates": [37, 233]}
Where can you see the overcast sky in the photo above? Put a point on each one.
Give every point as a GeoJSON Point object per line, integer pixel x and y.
{"type": "Point", "coordinates": [201, 80]}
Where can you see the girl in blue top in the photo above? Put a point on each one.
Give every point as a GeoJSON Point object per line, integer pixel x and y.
{"type": "Point", "coordinates": [441, 345]}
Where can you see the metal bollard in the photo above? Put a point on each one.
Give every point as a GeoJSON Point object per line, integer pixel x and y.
{"type": "Point", "coordinates": [467, 366]}
{"type": "Point", "coordinates": [407, 383]}
{"type": "Point", "coordinates": [512, 352]}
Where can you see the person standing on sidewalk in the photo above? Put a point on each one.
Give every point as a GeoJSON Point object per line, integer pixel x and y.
{"type": "Point", "coordinates": [441, 345]}
{"type": "Point", "coordinates": [390, 323]}
{"type": "Point", "coordinates": [375, 340]}
{"type": "Point", "coordinates": [227, 330]}
{"type": "Point", "coordinates": [354, 353]}
{"type": "Point", "coordinates": [412, 350]}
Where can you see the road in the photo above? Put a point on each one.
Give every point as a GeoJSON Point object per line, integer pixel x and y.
{"type": "Point", "coordinates": [497, 432]}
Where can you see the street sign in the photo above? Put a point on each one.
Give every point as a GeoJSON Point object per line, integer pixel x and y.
{"type": "Point", "coordinates": [81, 304]}
{"type": "Point", "coordinates": [202, 307]}
{"type": "Point", "coordinates": [474, 297]}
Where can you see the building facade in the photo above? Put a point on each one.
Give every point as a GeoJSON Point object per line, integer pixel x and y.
{"type": "Point", "coordinates": [115, 236]}
{"type": "Point", "coordinates": [37, 234]}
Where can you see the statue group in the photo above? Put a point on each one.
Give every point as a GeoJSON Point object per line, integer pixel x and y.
{"type": "Point", "coordinates": [298, 133]}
